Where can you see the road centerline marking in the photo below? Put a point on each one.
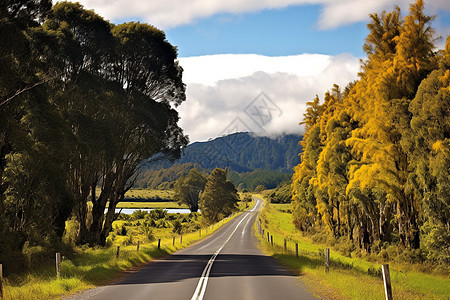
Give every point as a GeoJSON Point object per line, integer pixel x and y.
{"type": "Point", "coordinates": [202, 283]}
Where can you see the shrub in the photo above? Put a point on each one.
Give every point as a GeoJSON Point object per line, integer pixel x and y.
{"type": "Point", "coordinates": [123, 231]}
{"type": "Point", "coordinates": [259, 188]}
{"type": "Point", "coordinates": [177, 227]}
{"type": "Point", "coordinates": [138, 214]}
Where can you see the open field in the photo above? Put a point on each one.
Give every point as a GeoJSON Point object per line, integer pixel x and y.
{"type": "Point", "coordinates": [349, 277]}
{"type": "Point", "coordinates": [150, 194]}
{"type": "Point", "coordinates": [146, 194]}
{"type": "Point", "coordinates": [167, 204]}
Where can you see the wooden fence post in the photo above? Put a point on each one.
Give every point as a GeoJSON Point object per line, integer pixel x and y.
{"type": "Point", "coordinates": [1, 281]}
{"type": "Point", "coordinates": [181, 239]}
{"type": "Point", "coordinates": [296, 250]}
{"type": "Point", "coordinates": [271, 239]}
{"type": "Point", "coordinates": [200, 232]}
{"type": "Point", "coordinates": [137, 248]}
{"type": "Point", "coordinates": [118, 251]}
{"type": "Point", "coordinates": [58, 264]}
{"type": "Point", "coordinates": [159, 244]}
{"type": "Point", "coordinates": [387, 282]}
{"type": "Point", "coordinates": [285, 245]}
{"type": "Point", "coordinates": [173, 241]}
{"type": "Point", "coordinates": [268, 237]}
{"type": "Point", "coordinates": [327, 260]}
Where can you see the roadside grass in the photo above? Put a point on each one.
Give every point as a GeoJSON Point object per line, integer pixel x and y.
{"type": "Point", "coordinates": [349, 277]}
{"type": "Point", "coordinates": [91, 267]}
{"type": "Point", "coordinates": [86, 268]}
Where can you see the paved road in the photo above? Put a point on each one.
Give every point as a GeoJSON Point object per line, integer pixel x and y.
{"type": "Point", "coordinates": [227, 265]}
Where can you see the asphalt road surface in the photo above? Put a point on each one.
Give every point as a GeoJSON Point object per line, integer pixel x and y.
{"type": "Point", "coordinates": [227, 265]}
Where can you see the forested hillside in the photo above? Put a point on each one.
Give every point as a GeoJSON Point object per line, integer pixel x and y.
{"type": "Point", "coordinates": [376, 154]}
{"type": "Point", "coordinates": [243, 152]}
{"type": "Point", "coordinates": [252, 161]}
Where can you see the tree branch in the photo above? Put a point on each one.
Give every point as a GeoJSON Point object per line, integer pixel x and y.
{"type": "Point", "coordinates": [25, 89]}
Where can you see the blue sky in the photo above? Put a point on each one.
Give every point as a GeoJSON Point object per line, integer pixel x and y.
{"type": "Point", "coordinates": [232, 51]}
{"type": "Point", "coordinates": [271, 32]}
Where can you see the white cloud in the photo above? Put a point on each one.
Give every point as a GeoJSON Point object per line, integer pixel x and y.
{"type": "Point", "coordinates": [220, 96]}
{"type": "Point", "coordinates": [170, 13]}
{"type": "Point", "coordinates": [209, 69]}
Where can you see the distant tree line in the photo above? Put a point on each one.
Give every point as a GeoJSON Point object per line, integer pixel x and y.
{"type": "Point", "coordinates": [83, 103]}
{"type": "Point", "coordinates": [376, 155]}
{"type": "Point", "coordinates": [165, 178]}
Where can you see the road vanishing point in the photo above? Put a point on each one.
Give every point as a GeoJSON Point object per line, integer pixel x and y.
{"type": "Point", "coordinates": [226, 265]}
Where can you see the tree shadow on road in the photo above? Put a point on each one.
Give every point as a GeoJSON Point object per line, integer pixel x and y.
{"type": "Point", "coordinates": [180, 267]}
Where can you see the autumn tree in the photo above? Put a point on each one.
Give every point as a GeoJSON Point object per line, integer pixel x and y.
{"type": "Point", "coordinates": [374, 155]}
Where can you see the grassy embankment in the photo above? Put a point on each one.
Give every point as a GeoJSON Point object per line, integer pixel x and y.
{"type": "Point", "coordinates": [85, 268]}
{"type": "Point", "coordinates": [349, 278]}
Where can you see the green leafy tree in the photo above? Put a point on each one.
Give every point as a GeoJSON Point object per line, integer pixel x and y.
{"type": "Point", "coordinates": [219, 198]}
{"type": "Point", "coordinates": [189, 188]}
{"type": "Point", "coordinates": [117, 85]}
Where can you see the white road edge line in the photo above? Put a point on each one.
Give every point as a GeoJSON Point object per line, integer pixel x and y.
{"type": "Point", "coordinates": [201, 286]}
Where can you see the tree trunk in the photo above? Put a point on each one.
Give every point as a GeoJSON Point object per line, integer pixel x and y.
{"type": "Point", "coordinates": [98, 213]}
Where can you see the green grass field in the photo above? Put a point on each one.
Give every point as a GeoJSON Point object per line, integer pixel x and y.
{"type": "Point", "coordinates": [150, 205]}
{"type": "Point", "coordinates": [348, 278]}
{"type": "Point", "coordinates": [150, 194]}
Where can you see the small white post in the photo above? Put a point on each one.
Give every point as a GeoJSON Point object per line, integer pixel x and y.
{"type": "Point", "coordinates": [387, 281]}
{"type": "Point", "coordinates": [327, 260]}
{"type": "Point", "coordinates": [1, 281]}
{"type": "Point", "coordinates": [58, 265]}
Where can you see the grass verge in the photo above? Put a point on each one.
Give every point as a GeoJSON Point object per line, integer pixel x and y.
{"type": "Point", "coordinates": [91, 267]}
{"type": "Point", "coordinates": [349, 278]}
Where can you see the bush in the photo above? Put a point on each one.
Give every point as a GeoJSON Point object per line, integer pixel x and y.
{"type": "Point", "coordinates": [123, 230]}
{"type": "Point", "coordinates": [259, 188]}
{"type": "Point", "coordinates": [71, 231]}
{"type": "Point", "coordinates": [150, 235]}
{"type": "Point", "coordinates": [247, 198]}
{"type": "Point", "coordinates": [157, 214]}
{"type": "Point", "coordinates": [138, 214]}
{"type": "Point", "coordinates": [177, 227]}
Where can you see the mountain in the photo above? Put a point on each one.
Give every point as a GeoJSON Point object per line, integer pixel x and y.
{"type": "Point", "coordinates": [245, 152]}
{"type": "Point", "coordinates": [251, 159]}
